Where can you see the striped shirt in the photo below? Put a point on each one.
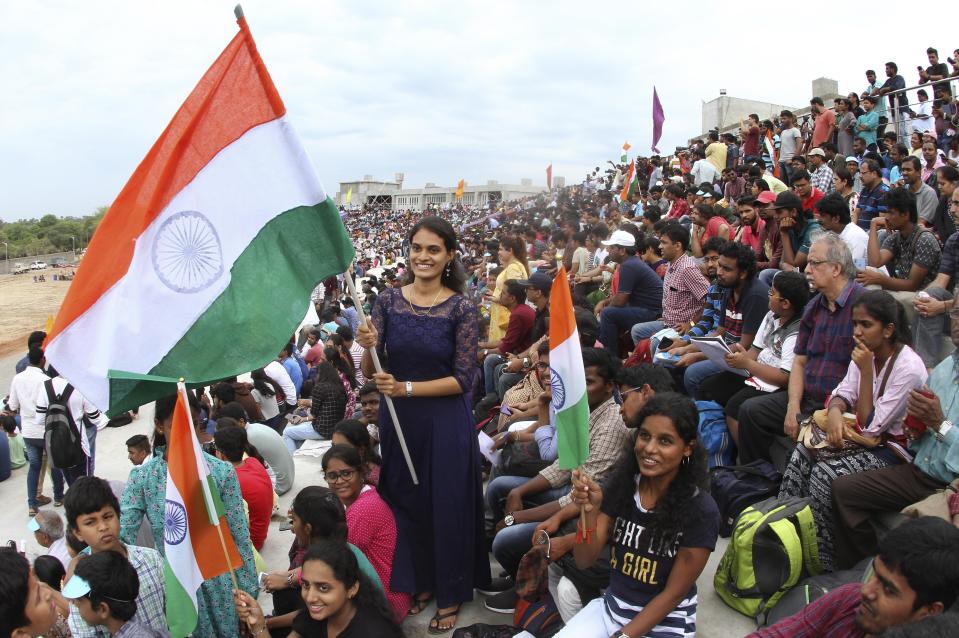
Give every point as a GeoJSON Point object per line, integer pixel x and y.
{"type": "Point", "coordinates": [825, 339]}
{"type": "Point", "coordinates": [871, 203]}
{"type": "Point", "coordinates": [712, 313]}
{"type": "Point", "coordinates": [683, 290]}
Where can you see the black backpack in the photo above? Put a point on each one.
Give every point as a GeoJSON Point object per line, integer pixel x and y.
{"type": "Point", "coordinates": [61, 435]}
{"type": "Point", "coordinates": [736, 487]}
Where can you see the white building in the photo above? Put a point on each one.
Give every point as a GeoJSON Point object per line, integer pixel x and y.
{"type": "Point", "coordinates": [725, 112]}
{"type": "Point", "coordinates": [369, 190]}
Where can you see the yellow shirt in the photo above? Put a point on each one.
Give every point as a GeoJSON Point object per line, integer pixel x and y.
{"type": "Point", "coordinates": [716, 154]}
{"type": "Point", "coordinates": [499, 314]}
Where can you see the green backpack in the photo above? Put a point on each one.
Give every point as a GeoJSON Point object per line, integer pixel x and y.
{"type": "Point", "coordinates": [773, 546]}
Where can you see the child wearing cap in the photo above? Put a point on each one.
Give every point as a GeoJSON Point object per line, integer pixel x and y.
{"type": "Point", "coordinates": [104, 590]}
{"type": "Point", "coordinates": [93, 516]}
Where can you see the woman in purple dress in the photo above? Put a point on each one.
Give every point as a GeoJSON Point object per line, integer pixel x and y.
{"type": "Point", "coordinates": [426, 336]}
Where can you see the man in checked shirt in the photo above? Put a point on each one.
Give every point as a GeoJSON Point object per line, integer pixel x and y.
{"type": "Point", "coordinates": [684, 287]}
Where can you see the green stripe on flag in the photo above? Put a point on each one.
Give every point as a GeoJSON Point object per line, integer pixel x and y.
{"type": "Point", "coordinates": [181, 615]}
{"type": "Point", "coordinates": [270, 286]}
{"type": "Point", "coordinates": [572, 434]}
{"type": "Point", "coordinates": [218, 509]}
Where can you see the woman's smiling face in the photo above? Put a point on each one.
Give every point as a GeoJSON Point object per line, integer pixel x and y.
{"type": "Point", "coordinates": [659, 449]}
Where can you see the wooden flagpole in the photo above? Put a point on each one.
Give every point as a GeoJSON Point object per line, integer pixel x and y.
{"type": "Point", "coordinates": [379, 368]}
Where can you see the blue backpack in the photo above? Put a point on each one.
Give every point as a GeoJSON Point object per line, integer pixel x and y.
{"type": "Point", "coordinates": [714, 435]}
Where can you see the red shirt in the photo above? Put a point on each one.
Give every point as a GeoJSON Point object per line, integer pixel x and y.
{"type": "Point", "coordinates": [751, 238]}
{"type": "Point", "coordinates": [519, 330]}
{"type": "Point", "coordinates": [832, 616]}
{"type": "Point", "coordinates": [810, 202]}
{"type": "Point", "coordinates": [678, 209]}
{"type": "Point", "coordinates": [257, 491]}
{"type": "Point", "coordinates": [822, 131]}
{"type": "Point", "coordinates": [751, 143]}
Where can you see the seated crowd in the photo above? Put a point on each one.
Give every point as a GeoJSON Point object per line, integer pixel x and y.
{"type": "Point", "coordinates": [797, 280]}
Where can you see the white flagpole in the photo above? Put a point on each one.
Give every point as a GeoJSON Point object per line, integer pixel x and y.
{"type": "Point", "coordinates": [379, 368]}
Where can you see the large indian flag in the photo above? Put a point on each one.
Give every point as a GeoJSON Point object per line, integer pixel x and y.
{"type": "Point", "coordinates": [204, 264]}
{"type": "Point", "coordinates": [194, 549]}
{"type": "Point", "coordinates": [567, 377]}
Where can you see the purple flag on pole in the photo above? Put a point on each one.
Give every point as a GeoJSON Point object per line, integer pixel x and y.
{"type": "Point", "coordinates": [658, 118]}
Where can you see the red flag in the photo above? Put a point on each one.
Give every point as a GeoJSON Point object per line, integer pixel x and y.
{"type": "Point", "coordinates": [549, 176]}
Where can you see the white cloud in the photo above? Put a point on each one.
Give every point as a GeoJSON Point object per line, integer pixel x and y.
{"type": "Point", "coordinates": [440, 91]}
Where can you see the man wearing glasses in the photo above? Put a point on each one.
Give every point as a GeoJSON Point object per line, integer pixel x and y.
{"type": "Point", "coordinates": [823, 350]}
{"type": "Point", "coordinates": [872, 198]}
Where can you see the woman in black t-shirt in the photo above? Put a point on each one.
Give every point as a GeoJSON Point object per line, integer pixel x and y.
{"type": "Point", "coordinates": [341, 602]}
{"type": "Point", "coordinates": [661, 523]}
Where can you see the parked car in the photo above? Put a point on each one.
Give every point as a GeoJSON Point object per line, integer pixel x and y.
{"type": "Point", "coordinates": [58, 262]}
{"type": "Point", "coordinates": [38, 265]}
{"type": "Point", "coordinates": [19, 268]}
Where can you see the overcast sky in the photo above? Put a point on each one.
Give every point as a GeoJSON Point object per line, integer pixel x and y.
{"type": "Point", "coordinates": [439, 91]}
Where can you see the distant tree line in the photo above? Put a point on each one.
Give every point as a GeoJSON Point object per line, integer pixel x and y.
{"type": "Point", "coordinates": [49, 234]}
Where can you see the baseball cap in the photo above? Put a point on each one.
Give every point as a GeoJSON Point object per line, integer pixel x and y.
{"type": "Point", "coordinates": [816, 151]}
{"type": "Point", "coordinates": [539, 280]}
{"type": "Point", "coordinates": [788, 199]}
{"type": "Point", "coordinates": [852, 159]}
{"type": "Point", "coordinates": [76, 587]}
{"type": "Point", "coordinates": [766, 197]}
{"type": "Point", "coordinates": [620, 238]}
{"type": "Point", "coordinates": [33, 525]}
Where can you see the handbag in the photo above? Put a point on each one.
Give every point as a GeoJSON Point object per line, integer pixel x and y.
{"type": "Point", "coordinates": [812, 432]}
{"type": "Point", "coordinates": [532, 580]}
{"type": "Point", "coordinates": [936, 504]}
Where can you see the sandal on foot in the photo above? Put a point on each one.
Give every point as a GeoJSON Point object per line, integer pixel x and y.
{"type": "Point", "coordinates": [419, 604]}
{"type": "Point", "coordinates": [434, 628]}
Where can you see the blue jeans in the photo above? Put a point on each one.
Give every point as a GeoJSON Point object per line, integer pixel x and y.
{"type": "Point", "coordinates": [614, 320]}
{"type": "Point", "coordinates": [294, 435]}
{"type": "Point", "coordinates": [767, 275]}
{"type": "Point", "coordinates": [511, 543]}
{"type": "Point", "coordinates": [696, 374]}
{"type": "Point", "coordinates": [35, 452]}
{"type": "Point", "coordinates": [645, 330]}
{"type": "Point", "coordinates": [492, 360]}
{"type": "Point", "coordinates": [500, 487]}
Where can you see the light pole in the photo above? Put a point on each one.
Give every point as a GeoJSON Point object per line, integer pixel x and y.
{"type": "Point", "coordinates": [73, 242]}
{"type": "Point", "coordinates": [6, 258]}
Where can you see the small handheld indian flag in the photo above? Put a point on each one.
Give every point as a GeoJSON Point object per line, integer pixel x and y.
{"type": "Point", "coordinates": [624, 194]}
{"type": "Point", "coordinates": [567, 377]}
{"type": "Point", "coordinates": [192, 524]}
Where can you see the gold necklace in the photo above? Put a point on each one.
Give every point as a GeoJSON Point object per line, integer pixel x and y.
{"type": "Point", "coordinates": [430, 309]}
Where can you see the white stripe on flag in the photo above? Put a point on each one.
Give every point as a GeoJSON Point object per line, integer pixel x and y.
{"type": "Point", "coordinates": [248, 183]}
{"type": "Point", "coordinates": [180, 555]}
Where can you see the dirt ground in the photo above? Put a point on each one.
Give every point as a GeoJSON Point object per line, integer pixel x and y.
{"type": "Point", "coordinates": [26, 306]}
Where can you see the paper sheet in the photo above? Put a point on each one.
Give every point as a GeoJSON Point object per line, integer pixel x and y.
{"type": "Point", "coordinates": [716, 350]}
{"type": "Point", "coordinates": [486, 447]}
